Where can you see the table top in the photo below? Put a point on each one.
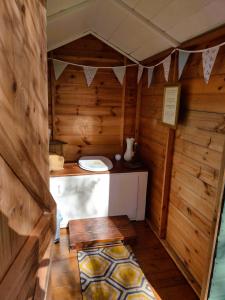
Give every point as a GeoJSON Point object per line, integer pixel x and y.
{"type": "Point", "coordinates": [73, 169]}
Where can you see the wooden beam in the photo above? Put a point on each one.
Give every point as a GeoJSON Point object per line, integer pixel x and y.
{"type": "Point", "coordinates": [167, 168]}
{"type": "Point", "coordinates": [52, 83]}
{"type": "Point", "coordinates": [123, 106]}
{"type": "Point", "coordinates": [15, 284]}
{"type": "Point", "coordinates": [166, 182]}
{"type": "Point", "coordinates": [208, 37]}
{"type": "Point", "coordinates": [84, 59]}
{"type": "Point", "coordinates": [138, 109]}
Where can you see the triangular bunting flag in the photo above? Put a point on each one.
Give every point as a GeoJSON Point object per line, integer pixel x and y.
{"type": "Point", "coordinates": [150, 73]}
{"type": "Point", "coordinates": [140, 71]}
{"type": "Point", "coordinates": [119, 72]}
{"type": "Point", "coordinates": [183, 57]}
{"type": "Point", "coordinates": [166, 66]}
{"type": "Point", "coordinates": [208, 59]}
{"type": "Point", "coordinates": [59, 67]}
{"type": "Point", "coordinates": [89, 73]}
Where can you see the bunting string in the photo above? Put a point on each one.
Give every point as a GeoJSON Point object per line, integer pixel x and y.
{"type": "Point", "coordinates": [98, 67]}
{"type": "Point", "coordinates": [208, 56]}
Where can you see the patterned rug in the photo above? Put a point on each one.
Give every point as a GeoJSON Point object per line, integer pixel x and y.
{"type": "Point", "coordinates": [112, 273]}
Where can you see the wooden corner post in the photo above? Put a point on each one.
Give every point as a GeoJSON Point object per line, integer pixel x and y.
{"type": "Point", "coordinates": [52, 88]}
{"type": "Point", "coordinates": [123, 107]}
{"type": "Point", "coordinates": [167, 168]}
{"type": "Point", "coordinates": [138, 109]}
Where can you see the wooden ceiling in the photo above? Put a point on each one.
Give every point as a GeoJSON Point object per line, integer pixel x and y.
{"type": "Point", "coordinates": [136, 28]}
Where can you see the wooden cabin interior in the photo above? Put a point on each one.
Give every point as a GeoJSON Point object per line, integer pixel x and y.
{"type": "Point", "coordinates": [112, 138]}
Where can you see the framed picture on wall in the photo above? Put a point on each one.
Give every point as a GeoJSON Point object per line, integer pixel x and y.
{"type": "Point", "coordinates": [171, 104]}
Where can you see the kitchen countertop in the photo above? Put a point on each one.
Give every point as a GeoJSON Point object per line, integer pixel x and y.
{"type": "Point", "coordinates": [72, 169]}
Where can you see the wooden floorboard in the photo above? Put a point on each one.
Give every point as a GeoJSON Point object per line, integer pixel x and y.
{"type": "Point", "coordinates": [165, 278]}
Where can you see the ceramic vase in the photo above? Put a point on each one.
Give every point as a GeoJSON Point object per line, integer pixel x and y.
{"type": "Point", "coordinates": [128, 155]}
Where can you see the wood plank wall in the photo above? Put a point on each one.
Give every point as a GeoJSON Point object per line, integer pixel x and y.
{"type": "Point", "coordinates": [89, 119]}
{"type": "Point", "coordinates": [196, 165]}
{"type": "Point", "coordinates": [25, 231]}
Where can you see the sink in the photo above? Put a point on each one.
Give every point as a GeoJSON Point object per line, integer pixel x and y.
{"type": "Point", "coordinates": [95, 163]}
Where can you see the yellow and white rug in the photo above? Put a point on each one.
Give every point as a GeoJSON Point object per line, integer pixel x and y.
{"type": "Point", "coordinates": [112, 273]}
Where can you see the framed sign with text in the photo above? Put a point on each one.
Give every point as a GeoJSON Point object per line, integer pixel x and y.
{"type": "Point", "coordinates": [171, 104]}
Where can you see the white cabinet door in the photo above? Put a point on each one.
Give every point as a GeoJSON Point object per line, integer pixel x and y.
{"type": "Point", "coordinates": [100, 195]}
{"type": "Point", "coordinates": [79, 197]}
{"type": "Point", "coordinates": [123, 192]}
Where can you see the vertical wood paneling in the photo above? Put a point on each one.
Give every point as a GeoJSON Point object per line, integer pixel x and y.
{"type": "Point", "coordinates": [196, 165]}
{"type": "Point", "coordinates": [92, 120]}
{"type": "Point", "coordinates": [153, 140]}
{"type": "Point", "coordinates": [24, 194]}
{"type": "Point", "coordinates": [131, 102]}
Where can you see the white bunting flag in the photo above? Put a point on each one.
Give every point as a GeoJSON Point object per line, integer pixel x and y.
{"type": "Point", "coordinates": [140, 71]}
{"type": "Point", "coordinates": [59, 67]}
{"type": "Point", "coordinates": [208, 59]}
{"type": "Point", "coordinates": [166, 66]}
{"type": "Point", "coordinates": [183, 57]}
{"type": "Point", "coordinates": [89, 73]}
{"type": "Point", "coordinates": [150, 74]}
{"type": "Point", "coordinates": [119, 72]}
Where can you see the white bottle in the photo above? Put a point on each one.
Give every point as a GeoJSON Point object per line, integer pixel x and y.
{"type": "Point", "coordinates": [128, 155]}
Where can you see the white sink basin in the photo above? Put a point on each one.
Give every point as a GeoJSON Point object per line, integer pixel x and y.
{"type": "Point", "coordinates": [95, 163]}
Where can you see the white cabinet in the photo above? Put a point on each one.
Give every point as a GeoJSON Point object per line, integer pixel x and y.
{"type": "Point", "coordinates": [100, 195]}
{"type": "Point", "coordinates": [123, 191]}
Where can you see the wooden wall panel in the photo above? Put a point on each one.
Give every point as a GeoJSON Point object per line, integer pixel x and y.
{"type": "Point", "coordinates": [89, 119]}
{"type": "Point", "coordinates": [197, 159]}
{"type": "Point", "coordinates": [24, 174]}
{"type": "Point", "coordinates": [130, 102]}
{"type": "Point", "coordinates": [153, 139]}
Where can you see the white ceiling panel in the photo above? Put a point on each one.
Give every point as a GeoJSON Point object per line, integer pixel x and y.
{"type": "Point", "coordinates": [177, 11]}
{"type": "Point", "coordinates": [56, 6]}
{"type": "Point", "coordinates": [150, 47]}
{"type": "Point", "coordinates": [150, 8]}
{"type": "Point", "coordinates": [140, 28]}
{"type": "Point", "coordinates": [131, 34]}
{"type": "Point", "coordinates": [200, 22]}
{"type": "Point", "coordinates": [66, 28]}
{"type": "Point", "coordinates": [107, 18]}
{"type": "Point", "coordinates": [131, 3]}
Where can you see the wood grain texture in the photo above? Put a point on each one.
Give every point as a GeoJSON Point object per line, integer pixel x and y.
{"type": "Point", "coordinates": [166, 183]}
{"type": "Point", "coordinates": [19, 281]}
{"type": "Point", "coordinates": [18, 212]}
{"type": "Point", "coordinates": [25, 200]}
{"type": "Point", "coordinates": [197, 159]}
{"type": "Point", "coordinates": [92, 120]}
{"type": "Point", "coordinates": [153, 139]}
{"type": "Point", "coordinates": [167, 281]}
{"type": "Point", "coordinates": [89, 232]}
{"type": "Point", "coordinates": [23, 114]}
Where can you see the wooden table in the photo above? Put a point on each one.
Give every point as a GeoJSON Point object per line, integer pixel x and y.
{"type": "Point", "coordinates": [95, 231]}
